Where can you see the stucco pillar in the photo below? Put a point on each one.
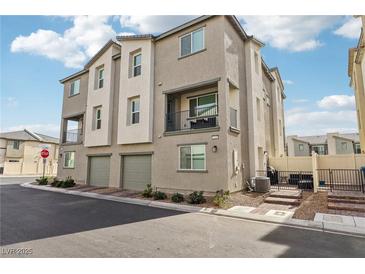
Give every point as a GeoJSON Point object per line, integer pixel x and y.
{"type": "Point", "coordinates": [315, 171]}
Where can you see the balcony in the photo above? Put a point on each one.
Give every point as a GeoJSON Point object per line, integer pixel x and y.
{"type": "Point", "coordinates": [193, 119]}
{"type": "Point", "coordinates": [72, 136]}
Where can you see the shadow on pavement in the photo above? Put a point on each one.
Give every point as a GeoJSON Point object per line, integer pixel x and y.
{"type": "Point", "coordinates": [29, 214]}
{"type": "Point", "coordinates": [303, 243]}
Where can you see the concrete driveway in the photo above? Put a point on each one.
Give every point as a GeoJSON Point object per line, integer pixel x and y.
{"type": "Point", "coordinates": [59, 225]}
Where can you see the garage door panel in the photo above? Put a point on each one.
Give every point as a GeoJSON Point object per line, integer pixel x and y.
{"type": "Point", "coordinates": [136, 171]}
{"type": "Point", "coordinates": [99, 171]}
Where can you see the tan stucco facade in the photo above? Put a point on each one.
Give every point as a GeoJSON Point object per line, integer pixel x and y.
{"type": "Point", "coordinates": [357, 75]}
{"type": "Point", "coordinates": [27, 159]}
{"type": "Point", "coordinates": [225, 67]}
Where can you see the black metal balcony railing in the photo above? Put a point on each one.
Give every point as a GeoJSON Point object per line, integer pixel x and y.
{"type": "Point", "coordinates": [197, 118]}
{"type": "Point", "coordinates": [233, 117]}
{"type": "Point", "coordinates": [72, 136]}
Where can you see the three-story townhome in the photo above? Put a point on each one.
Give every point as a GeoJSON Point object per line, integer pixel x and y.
{"type": "Point", "coordinates": [194, 108]}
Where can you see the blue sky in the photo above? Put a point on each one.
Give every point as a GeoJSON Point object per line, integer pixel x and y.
{"type": "Point", "coordinates": [310, 51]}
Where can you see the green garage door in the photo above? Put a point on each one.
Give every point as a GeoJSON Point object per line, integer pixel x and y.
{"type": "Point", "coordinates": [136, 171]}
{"type": "Point", "coordinates": [99, 170]}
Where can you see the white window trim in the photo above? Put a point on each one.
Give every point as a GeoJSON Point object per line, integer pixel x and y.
{"type": "Point", "coordinates": [191, 160]}
{"type": "Point", "coordinates": [191, 42]}
{"type": "Point", "coordinates": [72, 83]}
{"type": "Point", "coordinates": [139, 110]}
{"type": "Point", "coordinates": [97, 119]}
{"type": "Point", "coordinates": [300, 146]}
{"type": "Point", "coordinates": [203, 95]}
{"type": "Point", "coordinates": [134, 66]}
{"type": "Point", "coordinates": [99, 79]}
{"type": "Point", "coordinates": [64, 160]}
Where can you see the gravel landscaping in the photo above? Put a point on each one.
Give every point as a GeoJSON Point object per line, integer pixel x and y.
{"type": "Point", "coordinates": [312, 203]}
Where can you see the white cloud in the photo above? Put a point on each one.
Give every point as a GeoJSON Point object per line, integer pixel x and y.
{"type": "Point", "coordinates": [304, 122]}
{"type": "Point", "coordinates": [337, 102]}
{"type": "Point", "coordinates": [153, 24]}
{"type": "Point", "coordinates": [78, 43]}
{"type": "Point", "coordinates": [288, 82]}
{"type": "Point", "coordinates": [298, 101]}
{"type": "Point", "coordinates": [350, 29]}
{"type": "Point", "coordinates": [47, 129]}
{"type": "Point", "coordinates": [11, 102]}
{"type": "Point", "coordinates": [293, 33]}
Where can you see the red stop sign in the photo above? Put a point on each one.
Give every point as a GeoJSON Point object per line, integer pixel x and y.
{"type": "Point", "coordinates": [44, 153]}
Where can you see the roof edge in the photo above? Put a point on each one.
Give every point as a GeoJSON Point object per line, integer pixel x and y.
{"type": "Point", "coordinates": [81, 72]}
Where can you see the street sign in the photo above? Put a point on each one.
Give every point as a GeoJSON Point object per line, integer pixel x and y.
{"type": "Point", "coordinates": [44, 153]}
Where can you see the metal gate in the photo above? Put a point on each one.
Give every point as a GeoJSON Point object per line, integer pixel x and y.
{"type": "Point", "coordinates": [289, 179]}
{"type": "Point", "coordinates": [341, 179]}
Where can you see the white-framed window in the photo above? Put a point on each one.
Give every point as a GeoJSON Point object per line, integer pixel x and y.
{"type": "Point", "coordinates": [75, 87]}
{"type": "Point", "coordinates": [203, 105]}
{"type": "Point", "coordinates": [69, 159]}
{"type": "Point", "coordinates": [100, 77]}
{"type": "Point", "coordinates": [16, 144]}
{"type": "Point", "coordinates": [357, 149]}
{"type": "Point", "coordinates": [344, 145]}
{"type": "Point", "coordinates": [258, 108]}
{"type": "Point", "coordinates": [192, 157]}
{"type": "Point", "coordinates": [97, 114]}
{"type": "Point", "coordinates": [135, 110]}
{"type": "Point", "coordinates": [319, 149]}
{"type": "Point", "coordinates": [256, 56]}
{"type": "Point", "coordinates": [192, 42]}
{"type": "Point", "coordinates": [280, 128]}
{"type": "Point", "coordinates": [137, 64]}
{"type": "Point", "coordinates": [301, 147]}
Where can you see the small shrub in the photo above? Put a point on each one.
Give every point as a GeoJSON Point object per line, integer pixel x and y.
{"type": "Point", "coordinates": [56, 183]}
{"type": "Point", "coordinates": [177, 197]}
{"type": "Point", "coordinates": [42, 181]}
{"type": "Point", "coordinates": [148, 192]}
{"type": "Point", "coordinates": [221, 198]}
{"type": "Point", "coordinates": [158, 195]}
{"type": "Point", "coordinates": [69, 182]}
{"type": "Point", "coordinates": [196, 197]}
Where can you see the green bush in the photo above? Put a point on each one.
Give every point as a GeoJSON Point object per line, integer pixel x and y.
{"type": "Point", "coordinates": [69, 182]}
{"type": "Point", "coordinates": [148, 192]}
{"type": "Point", "coordinates": [196, 197]}
{"type": "Point", "coordinates": [56, 183]}
{"type": "Point", "coordinates": [158, 195]}
{"type": "Point", "coordinates": [177, 197]}
{"type": "Point", "coordinates": [42, 181]}
{"type": "Point", "coordinates": [221, 198]}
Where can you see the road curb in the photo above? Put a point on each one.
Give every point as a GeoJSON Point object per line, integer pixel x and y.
{"type": "Point", "coordinates": [298, 223]}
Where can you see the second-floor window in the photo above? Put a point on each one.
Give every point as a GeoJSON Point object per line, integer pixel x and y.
{"type": "Point", "coordinates": [75, 87]}
{"type": "Point", "coordinates": [204, 105]}
{"type": "Point", "coordinates": [357, 149]}
{"type": "Point", "coordinates": [258, 109]}
{"type": "Point", "coordinates": [137, 64]}
{"type": "Point", "coordinates": [16, 144]}
{"type": "Point", "coordinates": [192, 42]}
{"type": "Point", "coordinates": [98, 118]}
{"type": "Point", "coordinates": [100, 77]}
{"type": "Point", "coordinates": [135, 111]}
{"type": "Point", "coordinates": [301, 147]}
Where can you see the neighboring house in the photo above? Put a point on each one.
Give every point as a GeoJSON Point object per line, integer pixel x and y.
{"type": "Point", "coordinates": [330, 144]}
{"type": "Point", "coordinates": [194, 108]}
{"type": "Point", "coordinates": [20, 153]}
{"type": "Point", "coordinates": [356, 72]}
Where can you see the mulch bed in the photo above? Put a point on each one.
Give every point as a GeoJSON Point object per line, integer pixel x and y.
{"type": "Point", "coordinates": [312, 203]}
{"type": "Point", "coordinates": [253, 199]}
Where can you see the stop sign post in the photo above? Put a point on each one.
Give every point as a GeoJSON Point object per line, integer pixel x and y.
{"type": "Point", "coordinates": [44, 155]}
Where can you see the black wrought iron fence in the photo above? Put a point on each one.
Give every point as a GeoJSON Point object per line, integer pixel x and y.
{"type": "Point", "coordinates": [341, 179]}
{"type": "Point", "coordinates": [289, 179]}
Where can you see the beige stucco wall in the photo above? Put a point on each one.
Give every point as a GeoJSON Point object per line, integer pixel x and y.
{"type": "Point", "coordinates": [100, 97]}
{"type": "Point", "coordinates": [140, 86]}
{"type": "Point", "coordinates": [354, 161]}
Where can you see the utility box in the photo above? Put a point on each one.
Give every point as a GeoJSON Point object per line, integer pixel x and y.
{"type": "Point", "coordinates": [262, 184]}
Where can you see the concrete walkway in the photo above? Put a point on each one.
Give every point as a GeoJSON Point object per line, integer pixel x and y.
{"type": "Point", "coordinates": [282, 217]}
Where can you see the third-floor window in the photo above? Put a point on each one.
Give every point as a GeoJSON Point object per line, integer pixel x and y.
{"type": "Point", "coordinates": [100, 77]}
{"type": "Point", "coordinates": [137, 64]}
{"type": "Point", "coordinates": [192, 42]}
{"type": "Point", "coordinates": [75, 87]}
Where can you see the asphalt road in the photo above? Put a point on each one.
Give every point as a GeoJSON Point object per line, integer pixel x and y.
{"type": "Point", "coordinates": [7, 180]}
{"type": "Point", "coordinates": [49, 224]}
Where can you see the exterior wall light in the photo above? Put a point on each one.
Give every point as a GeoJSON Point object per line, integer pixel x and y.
{"type": "Point", "coordinates": [214, 149]}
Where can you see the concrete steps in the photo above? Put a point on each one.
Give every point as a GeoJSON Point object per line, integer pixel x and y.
{"type": "Point", "coordinates": [346, 201]}
{"type": "Point", "coordinates": [346, 195]}
{"type": "Point", "coordinates": [284, 197]}
{"type": "Point", "coordinates": [282, 201]}
{"type": "Point", "coordinates": [347, 206]}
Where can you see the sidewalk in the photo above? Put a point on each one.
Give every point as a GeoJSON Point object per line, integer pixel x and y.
{"type": "Point", "coordinates": [322, 222]}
